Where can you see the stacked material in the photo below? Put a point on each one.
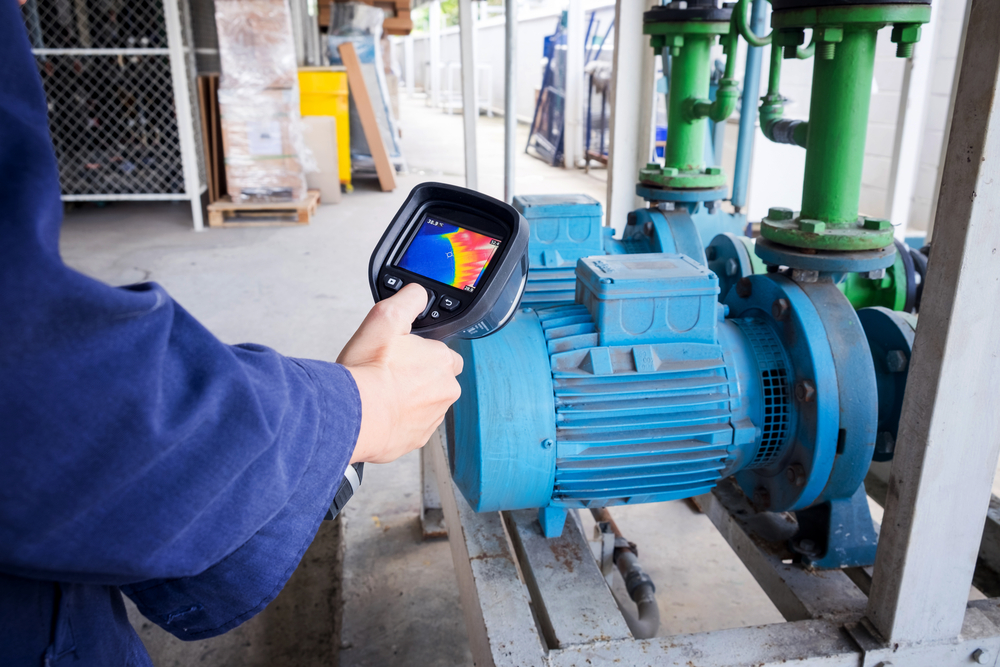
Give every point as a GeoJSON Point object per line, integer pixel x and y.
{"type": "Point", "coordinates": [259, 101]}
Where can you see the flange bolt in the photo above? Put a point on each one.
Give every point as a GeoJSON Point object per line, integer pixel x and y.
{"type": "Point", "coordinates": [732, 267]}
{"type": "Point", "coordinates": [796, 474]}
{"type": "Point", "coordinates": [885, 444]}
{"type": "Point", "coordinates": [711, 252]}
{"type": "Point", "coordinates": [744, 288]}
{"type": "Point", "coordinates": [780, 309]}
{"type": "Point", "coordinates": [981, 656]}
{"type": "Point", "coordinates": [805, 275]}
{"type": "Point", "coordinates": [780, 213]}
{"type": "Point", "coordinates": [805, 391]}
{"type": "Point", "coordinates": [761, 498]}
{"type": "Point", "coordinates": [896, 361]}
{"type": "Point", "coordinates": [806, 547]}
{"type": "Point", "coordinates": [547, 443]}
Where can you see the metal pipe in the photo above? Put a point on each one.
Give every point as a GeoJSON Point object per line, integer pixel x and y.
{"type": "Point", "coordinates": [470, 105]}
{"type": "Point", "coordinates": [748, 108]}
{"type": "Point", "coordinates": [646, 622]}
{"type": "Point", "coordinates": [838, 120]}
{"type": "Point", "coordinates": [509, 98]}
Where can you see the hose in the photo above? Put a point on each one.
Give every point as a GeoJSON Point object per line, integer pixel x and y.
{"type": "Point", "coordinates": [646, 622]}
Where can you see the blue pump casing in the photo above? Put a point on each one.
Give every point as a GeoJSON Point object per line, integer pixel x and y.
{"type": "Point", "coordinates": [643, 390]}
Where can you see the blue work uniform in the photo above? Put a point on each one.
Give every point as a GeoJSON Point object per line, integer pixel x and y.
{"type": "Point", "coordinates": [138, 453]}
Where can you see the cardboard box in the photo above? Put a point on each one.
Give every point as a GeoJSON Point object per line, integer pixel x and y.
{"type": "Point", "coordinates": [256, 46]}
{"type": "Point", "coordinates": [262, 142]}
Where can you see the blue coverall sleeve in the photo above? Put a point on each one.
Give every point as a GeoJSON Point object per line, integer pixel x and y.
{"type": "Point", "coordinates": [135, 447]}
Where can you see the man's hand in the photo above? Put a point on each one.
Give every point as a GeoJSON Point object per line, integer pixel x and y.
{"type": "Point", "coordinates": [406, 382]}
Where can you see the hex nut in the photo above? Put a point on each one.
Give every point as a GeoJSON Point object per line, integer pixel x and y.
{"type": "Point", "coordinates": [906, 33]}
{"type": "Point", "coordinates": [711, 252]}
{"type": "Point", "coordinates": [805, 276]}
{"type": "Point", "coordinates": [877, 224]}
{"type": "Point", "coordinates": [828, 34]}
{"type": "Point", "coordinates": [732, 267]}
{"type": "Point", "coordinates": [805, 391]}
{"type": "Point", "coordinates": [885, 443]}
{"type": "Point", "coordinates": [896, 361]}
{"type": "Point", "coordinates": [780, 309]}
{"type": "Point", "coordinates": [812, 226]}
{"type": "Point", "coordinates": [780, 213]}
{"type": "Point", "coordinates": [875, 274]}
{"type": "Point", "coordinates": [713, 171]}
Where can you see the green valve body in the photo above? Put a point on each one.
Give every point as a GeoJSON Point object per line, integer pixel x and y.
{"type": "Point", "coordinates": [689, 43]}
{"type": "Point", "coordinates": [845, 38]}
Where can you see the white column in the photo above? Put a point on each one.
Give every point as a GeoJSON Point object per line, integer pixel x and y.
{"type": "Point", "coordinates": [470, 107]}
{"type": "Point", "coordinates": [573, 111]}
{"type": "Point", "coordinates": [182, 107]}
{"type": "Point", "coordinates": [910, 127]}
{"type": "Point", "coordinates": [434, 48]}
{"type": "Point", "coordinates": [949, 434]}
{"type": "Point", "coordinates": [408, 69]}
{"type": "Point", "coordinates": [631, 110]}
{"type": "Point", "coordinates": [509, 99]}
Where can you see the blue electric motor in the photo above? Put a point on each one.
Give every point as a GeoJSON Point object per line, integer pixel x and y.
{"type": "Point", "coordinates": [648, 389]}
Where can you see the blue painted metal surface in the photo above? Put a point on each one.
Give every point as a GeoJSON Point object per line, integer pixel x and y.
{"type": "Point", "coordinates": [563, 229]}
{"type": "Point", "coordinates": [656, 395]}
{"type": "Point", "coordinates": [890, 336]}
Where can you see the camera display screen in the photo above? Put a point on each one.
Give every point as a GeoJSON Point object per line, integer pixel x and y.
{"type": "Point", "coordinates": [449, 254]}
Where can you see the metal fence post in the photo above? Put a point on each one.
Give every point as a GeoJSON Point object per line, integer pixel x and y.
{"type": "Point", "coordinates": [182, 107]}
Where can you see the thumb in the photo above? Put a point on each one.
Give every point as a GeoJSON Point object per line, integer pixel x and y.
{"type": "Point", "coordinates": [399, 310]}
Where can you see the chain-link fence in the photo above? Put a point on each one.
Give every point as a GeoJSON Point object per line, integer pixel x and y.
{"type": "Point", "coordinates": [106, 69]}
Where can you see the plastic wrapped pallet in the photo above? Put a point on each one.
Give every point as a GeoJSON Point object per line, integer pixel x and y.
{"type": "Point", "coordinates": [263, 145]}
{"type": "Point", "coordinates": [256, 46]}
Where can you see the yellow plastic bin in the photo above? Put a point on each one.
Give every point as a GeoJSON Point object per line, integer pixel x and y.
{"type": "Point", "coordinates": [323, 92]}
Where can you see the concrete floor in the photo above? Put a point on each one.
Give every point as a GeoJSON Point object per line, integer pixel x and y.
{"type": "Point", "coordinates": [303, 291]}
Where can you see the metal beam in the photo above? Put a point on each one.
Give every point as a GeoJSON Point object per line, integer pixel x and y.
{"type": "Point", "coordinates": [631, 110]}
{"type": "Point", "coordinates": [817, 643]}
{"type": "Point", "coordinates": [949, 435]}
{"type": "Point", "coordinates": [470, 105]}
{"type": "Point", "coordinates": [509, 98]}
{"type": "Point", "coordinates": [498, 616]}
{"type": "Point", "coordinates": [568, 591]}
{"type": "Point", "coordinates": [759, 540]}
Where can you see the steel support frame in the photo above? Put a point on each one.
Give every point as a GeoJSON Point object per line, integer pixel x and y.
{"type": "Point", "coordinates": [912, 608]}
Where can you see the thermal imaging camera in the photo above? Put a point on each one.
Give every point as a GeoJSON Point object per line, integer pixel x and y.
{"type": "Point", "coordinates": [467, 250]}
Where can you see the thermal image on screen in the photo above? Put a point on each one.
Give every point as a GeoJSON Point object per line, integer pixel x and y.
{"type": "Point", "coordinates": [449, 254]}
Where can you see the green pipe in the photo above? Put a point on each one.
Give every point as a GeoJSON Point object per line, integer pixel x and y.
{"type": "Point", "coordinates": [689, 83]}
{"type": "Point", "coordinates": [772, 122]}
{"type": "Point", "coordinates": [838, 124]}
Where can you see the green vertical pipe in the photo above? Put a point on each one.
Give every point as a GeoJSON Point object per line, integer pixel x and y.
{"type": "Point", "coordinates": [689, 81]}
{"type": "Point", "coordinates": [838, 125]}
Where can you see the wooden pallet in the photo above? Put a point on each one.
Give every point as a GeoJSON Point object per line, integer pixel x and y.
{"type": "Point", "coordinates": [226, 213]}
